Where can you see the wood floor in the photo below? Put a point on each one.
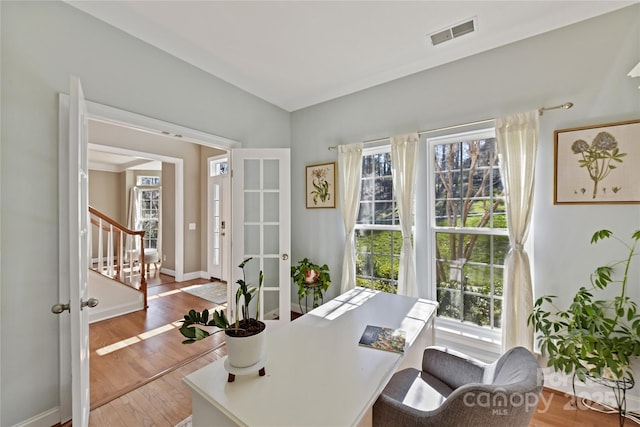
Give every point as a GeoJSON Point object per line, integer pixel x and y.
{"type": "Point", "coordinates": [130, 350]}
{"type": "Point", "coordinates": [165, 400]}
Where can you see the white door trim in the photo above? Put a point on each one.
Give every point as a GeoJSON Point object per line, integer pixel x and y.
{"type": "Point", "coordinates": [132, 120]}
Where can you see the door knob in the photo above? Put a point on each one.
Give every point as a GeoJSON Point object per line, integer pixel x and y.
{"type": "Point", "coordinates": [60, 308]}
{"type": "Point", "coordinates": [91, 302]}
{"type": "Point", "coordinates": [285, 257]}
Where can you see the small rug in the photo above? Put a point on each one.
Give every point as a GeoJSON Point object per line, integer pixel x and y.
{"type": "Point", "coordinates": [185, 423]}
{"type": "Point", "coordinates": [215, 292]}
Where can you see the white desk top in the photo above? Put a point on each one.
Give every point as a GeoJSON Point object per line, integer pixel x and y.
{"type": "Point", "coordinates": [317, 373]}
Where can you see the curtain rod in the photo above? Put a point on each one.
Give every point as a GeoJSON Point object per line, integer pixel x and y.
{"type": "Point", "coordinates": [541, 111]}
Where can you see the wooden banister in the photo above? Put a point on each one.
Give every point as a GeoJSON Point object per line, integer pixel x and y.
{"type": "Point", "coordinates": [117, 233]}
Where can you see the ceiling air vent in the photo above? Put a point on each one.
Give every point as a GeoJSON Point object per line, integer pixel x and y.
{"type": "Point", "coordinates": [453, 32]}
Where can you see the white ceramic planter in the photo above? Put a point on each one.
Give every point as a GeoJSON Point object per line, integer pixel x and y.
{"type": "Point", "coordinates": [243, 352]}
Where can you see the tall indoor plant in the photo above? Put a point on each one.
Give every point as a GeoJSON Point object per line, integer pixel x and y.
{"type": "Point", "coordinates": [244, 336]}
{"type": "Point", "coordinates": [594, 338]}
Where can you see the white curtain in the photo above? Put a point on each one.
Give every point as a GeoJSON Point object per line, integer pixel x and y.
{"type": "Point", "coordinates": [517, 141]}
{"type": "Point", "coordinates": [349, 171]}
{"type": "Point", "coordinates": [404, 158]}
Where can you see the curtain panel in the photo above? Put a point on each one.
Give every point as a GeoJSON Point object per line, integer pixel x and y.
{"type": "Point", "coordinates": [404, 158]}
{"type": "Point", "coordinates": [349, 178]}
{"type": "Point", "coordinates": [517, 141]}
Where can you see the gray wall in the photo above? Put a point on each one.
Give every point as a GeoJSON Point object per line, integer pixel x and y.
{"type": "Point", "coordinates": [42, 44]}
{"type": "Point", "coordinates": [586, 63]}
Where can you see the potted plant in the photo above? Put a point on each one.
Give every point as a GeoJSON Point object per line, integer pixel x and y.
{"type": "Point", "coordinates": [244, 337]}
{"type": "Point", "coordinates": [593, 338]}
{"type": "Point", "coordinates": [311, 278]}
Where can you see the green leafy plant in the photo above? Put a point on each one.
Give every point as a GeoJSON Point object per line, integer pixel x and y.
{"type": "Point", "coordinates": [243, 325]}
{"type": "Point", "coordinates": [594, 337]}
{"type": "Point", "coordinates": [311, 278]}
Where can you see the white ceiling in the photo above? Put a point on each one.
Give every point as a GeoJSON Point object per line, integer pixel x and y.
{"type": "Point", "coordinates": [299, 53]}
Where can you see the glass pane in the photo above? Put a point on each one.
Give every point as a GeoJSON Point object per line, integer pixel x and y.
{"type": "Point", "coordinates": [367, 166]}
{"type": "Point", "coordinates": [365, 213]}
{"type": "Point", "coordinates": [384, 213]}
{"type": "Point", "coordinates": [477, 309]}
{"type": "Point", "coordinates": [271, 207]}
{"type": "Point", "coordinates": [478, 279]}
{"type": "Point", "coordinates": [364, 264]}
{"type": "Point", "coordinates": [384, 188]}
{"type": "Point", "coordinates": [251, 270]}
{"type": "Point", "coordinates": [382, 164]}
{"type": "Point", "coordinates": [497, 313]}
{"type": "Point", "coordinates": [500, 249]}
{"type": "Point", "coordinates": [271, 271]}
{"type": "Point", "coordinates": [271, 174]}
{"type": "Point", "coordinates": [252, 240]}
{"type": "Point", "coordinates": [449, 303]}
{"type": "Point", "coordinates": [251, 207]}
{"type": "Point", "coordinates": [251, 174]}
{"type": "Point", "coordinates": [363, 240]}
{"type": "Point", "coordinates": [271, 304]}
{"type": "Point", "coordinates": [498, 272]}
{"type": "Point", "coordinates": [366, 190]}
{"type": "Point", "coordinates": [272, 240]}
{"type": "Point", "coordinates": [365, 283]}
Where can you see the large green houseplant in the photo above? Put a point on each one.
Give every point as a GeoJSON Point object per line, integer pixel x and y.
{"type": "Point", "coordinates": [311, 278]}
{"type": "Point", "coordinates": [594, 337]}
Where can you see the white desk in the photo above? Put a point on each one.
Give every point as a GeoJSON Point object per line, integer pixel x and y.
{"type": "Point", "coordinates": [317, 373]}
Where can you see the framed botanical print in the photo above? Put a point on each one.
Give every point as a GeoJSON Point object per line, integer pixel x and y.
{"type": "Point", "coordinates": [597, 164]}
{"type": "Point", "coordinates": [321, 186]}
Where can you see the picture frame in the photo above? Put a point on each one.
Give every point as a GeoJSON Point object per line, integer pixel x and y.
{"type": "Point", "coordinates": [321, 185]}
{"type": "Point", "coordinates": [597, 164]}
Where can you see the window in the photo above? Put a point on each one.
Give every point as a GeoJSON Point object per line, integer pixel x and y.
{"type": "Point", "coordinates": [378, 236]}
{"type": "Point", "coordinates": [149, 216]}
{"type": "Point", "coordinates": [147, 180]}
{"type": "Point", "coordinates": [219, 167]}
{"type": "Point", "coordinates": [468, 227]}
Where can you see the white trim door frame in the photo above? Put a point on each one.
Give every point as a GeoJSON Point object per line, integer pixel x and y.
{"type": "Point", "coordinates": [69, 234]}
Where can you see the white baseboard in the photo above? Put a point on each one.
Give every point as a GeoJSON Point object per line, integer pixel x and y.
{"type": "Point", "coordinates": [194, 275]}
{"type": "Point", "coordinates": [97, 315]}
{"type": "Point", "coordinates": [44, 419]}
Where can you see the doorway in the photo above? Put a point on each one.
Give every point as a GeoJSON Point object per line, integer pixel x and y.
{"type": "Point", "coordinates": [218, 218]}
{"type": "Point", "coordinates": [121, 120]}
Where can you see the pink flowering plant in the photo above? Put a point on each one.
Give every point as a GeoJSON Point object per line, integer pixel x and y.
{"type": "Point", "coordinates": [311, 278]}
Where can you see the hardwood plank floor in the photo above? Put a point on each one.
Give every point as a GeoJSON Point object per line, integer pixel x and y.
{"type": "Point", "coordinates": [130, 350]}
{"type": "Point", "coordinates": [166, 400]}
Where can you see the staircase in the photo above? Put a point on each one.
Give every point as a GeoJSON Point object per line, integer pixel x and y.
{"type": "Point", "coordinates": [117, 253]}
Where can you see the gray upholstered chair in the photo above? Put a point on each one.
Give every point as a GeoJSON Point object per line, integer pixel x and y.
{"type": "Point", "coordinates": [455, 390]}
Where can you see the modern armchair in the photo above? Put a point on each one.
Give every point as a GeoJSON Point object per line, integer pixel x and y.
{"type": "Point", "coordinates": [453, 389]}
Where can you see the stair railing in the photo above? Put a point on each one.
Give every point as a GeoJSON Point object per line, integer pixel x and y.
{"type": "Point", "coordinates": [119, 251]}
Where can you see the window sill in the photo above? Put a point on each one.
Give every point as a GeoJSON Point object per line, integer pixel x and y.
{"type": "Point", "coordinates": [481, 343]}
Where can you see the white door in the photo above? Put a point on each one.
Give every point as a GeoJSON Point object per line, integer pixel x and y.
{"type": "Point", "coordinates": [74, 262]}
{"type": "Point", "coordinates": [260, 183]}
{"type": "Point", "coordinates": [219, 229]}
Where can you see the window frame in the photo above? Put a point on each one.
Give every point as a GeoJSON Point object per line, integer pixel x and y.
{"type": "Point", "coordinates": [456, 330]}
{"type": "Point", "coordinates": [370, 151]}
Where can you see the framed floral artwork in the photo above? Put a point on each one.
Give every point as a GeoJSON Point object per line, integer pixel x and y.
{"type": "Point", "coordinates": [321, 185]}
{"type": "Point", "coordinates": [597, 164]}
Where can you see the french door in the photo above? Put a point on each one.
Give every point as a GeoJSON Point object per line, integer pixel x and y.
{"type": "Point", "coordinates": [262, 227]}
